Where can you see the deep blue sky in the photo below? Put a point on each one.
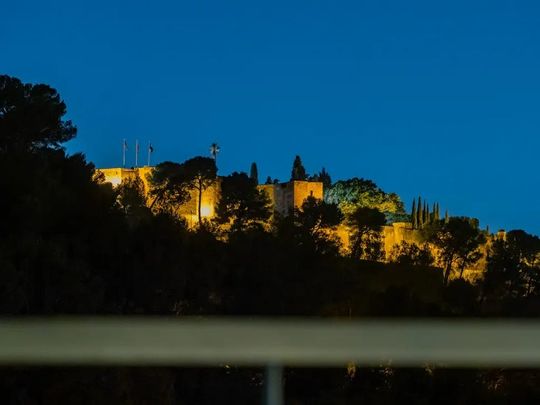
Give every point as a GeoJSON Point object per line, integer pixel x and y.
{"type": "Point", "coordinates": [431, 98]}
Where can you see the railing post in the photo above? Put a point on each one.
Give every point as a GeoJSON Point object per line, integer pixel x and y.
{"type": "Point", "coordinates": [273, 385]}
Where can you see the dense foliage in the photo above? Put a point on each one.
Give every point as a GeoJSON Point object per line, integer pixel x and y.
{"type": "Point", "coordinates": [70, 244]}
{"type": "Point", "coordinates": [361, 193]}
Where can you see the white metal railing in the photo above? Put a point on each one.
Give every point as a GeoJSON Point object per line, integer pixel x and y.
{"type": "Point", "coordinates": [272, 343]}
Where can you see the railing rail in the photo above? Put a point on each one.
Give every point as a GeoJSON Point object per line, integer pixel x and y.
{"type": "Point", "coordinates": [273, 343]}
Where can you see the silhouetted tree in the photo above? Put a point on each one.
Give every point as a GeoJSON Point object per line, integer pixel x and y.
{"type": "Point", "coordinates": [169, 187]}
{"type": "Point", "coordinates": [316, 215]}
{"type": "Point", "coordinates": [366, 225]}
{"type": "Point", "coordinates": [513, 268]}
{"type": "Point", "coordinates": [458, 241]}
{"type": "Point", "coordinates": [201, 173]}
{"type": "Point", "coordinates": [420, 212]}
{"type": "Point", "coordinates": [414, 215]}
{"type": "Point", "coordinates": [31, 117]}
{"type": "Point", "coordinates": [131, 198]}
{"type": "Point", "coordinates": [324, 178]}
{"type": "Point", "coordinates": [242, 204]}
{"type": "Point", "coordinates": [298, 170]}
{"type": "Point", "coordinates": [412, 255]}
{"type": "Point", "coordinates": [254, 173]}
{"type": "Point", "coordinates": [269, 180]}
{"type": "Point", "coordinates": [308, 228]}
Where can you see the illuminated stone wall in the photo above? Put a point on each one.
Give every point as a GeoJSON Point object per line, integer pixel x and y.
{"type": "Point", "coordinates": [286, 196]}
{"type": "Point", "coordinates": [399, 232]}
{"type": "Point", "coordinates": [210, 196]}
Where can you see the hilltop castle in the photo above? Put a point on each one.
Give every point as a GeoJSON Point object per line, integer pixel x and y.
{"type": "Point", "coordinates": [284, 197]}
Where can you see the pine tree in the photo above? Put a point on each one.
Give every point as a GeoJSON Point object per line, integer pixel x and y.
{"type": "Point", "coordinates": [298, 170]}
{"type": "Point", "coordinates": [254, 173]}
{"type": "Point", "coordinates": [414, 215]}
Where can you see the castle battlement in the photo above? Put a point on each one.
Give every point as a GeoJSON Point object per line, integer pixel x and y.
{"type": "Point", "coordinates": [284, 197]}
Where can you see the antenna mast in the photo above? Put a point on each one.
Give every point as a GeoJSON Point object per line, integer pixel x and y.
{"type": "Point", "coordinates": [124, 148]}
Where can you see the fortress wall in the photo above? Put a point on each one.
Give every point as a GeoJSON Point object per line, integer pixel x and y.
{"type": "Point", "coordinates": [304, 189]}
{"type": "Point", "coordinates": [270, 190]}
{"type": "Point", "coordinates": [209, 201]}
{"type": "Point", "coordinates": [284, 197]}
{"type": "Point", "coordinates": [396, 233]}
{"type": "Point", "coordinates": [144, 173]}
{"type": "Point", "coordinates": [188, 210]}
{"type": "Point", "coordinates": [115, 176]}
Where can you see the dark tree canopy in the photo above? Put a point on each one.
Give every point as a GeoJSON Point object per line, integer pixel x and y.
{"type": "Point", "coordinates": [169, 187]}
{"type": "Point", "coordinates": [458, 240]}
{"type": "Point", "coordinates": [31, 117]}
{"type": "Point", "coordinates": [513, 269]}
{"type": "Point", "coordinates": [298, 170]}
{"type": "Point", "coordinates": [201, 173]}
{"type": "Point", "coordinates": [414, 215]}
{"type": "Point", "coordinates": [131, 198]}
{"type": "Point", "coordinates": [316, 214]}
{"type": "Point", "coordinates": [411, 254]}
{"type": "Point", "coordinates": [242, 204]}
{"type": "Point", "coordinates": [366, 225]}
{"type": "Point", "coordinates": [325, 178]}
{"type": "Point", "coordinates": [308, 228]}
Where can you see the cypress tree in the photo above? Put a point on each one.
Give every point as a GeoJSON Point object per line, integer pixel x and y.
{"type": "Point", "coordinates": [434, 212]}
{"type": "Point", "coordinates": [425, 213]}
{"type": "Point", "coordinates": [325, 178]}
{"type": "Point", "coordinates": [414, 215]}
{"type": "Point", "coordinates": [419, 214]}
{"type": "Point", "coordinates": [254, 173]}
{"type": "Point", "coordinates": [298, 171]}
{"type": "Point", "coordinates": [269, 180]}
{"type": "Point", "coordinates": [446, 217]}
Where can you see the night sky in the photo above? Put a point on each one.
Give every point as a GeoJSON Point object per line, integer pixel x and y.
{"type": "Point", "coordinates": [434, 98]}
